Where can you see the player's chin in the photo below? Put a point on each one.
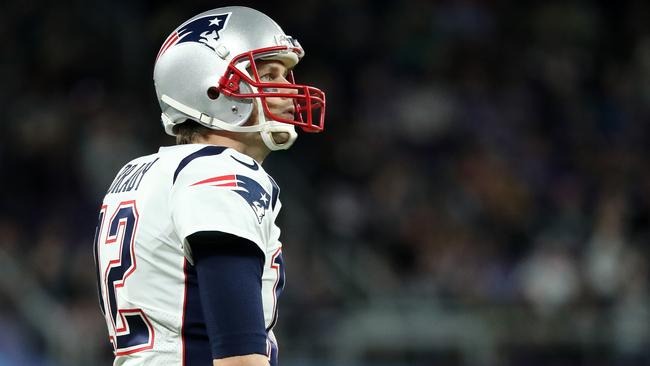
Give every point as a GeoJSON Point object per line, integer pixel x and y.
{"type": "Point", "coordinates": [280, 137]}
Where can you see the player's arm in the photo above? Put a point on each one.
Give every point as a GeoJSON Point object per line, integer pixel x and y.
{"type": "Point", "coordinates": [249, 360]}
{"type": "Point", "coordinates": [229, 272]}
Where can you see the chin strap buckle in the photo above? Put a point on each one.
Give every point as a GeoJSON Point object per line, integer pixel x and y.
{"type": "Point", "coordinates": [205, 119]}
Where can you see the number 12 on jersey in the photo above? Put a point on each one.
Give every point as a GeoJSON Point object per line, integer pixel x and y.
{"type": "Point", "coordinates": [115, 259]}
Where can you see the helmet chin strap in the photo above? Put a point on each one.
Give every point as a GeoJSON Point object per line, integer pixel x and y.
{"type": "Point", "coordinates": [270, 127]}
{"type": "Point", "coordinates": [265, 127]}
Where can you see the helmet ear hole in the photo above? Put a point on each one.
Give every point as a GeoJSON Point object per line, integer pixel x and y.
{"type": "Point", "coordinates": [213, 92]}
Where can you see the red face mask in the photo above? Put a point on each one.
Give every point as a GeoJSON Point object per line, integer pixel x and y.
{"type": "Point", "coordinates": [309, 102]}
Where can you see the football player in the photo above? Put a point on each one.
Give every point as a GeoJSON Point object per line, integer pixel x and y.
{"type": "Point", "coordinates": [189, 259]}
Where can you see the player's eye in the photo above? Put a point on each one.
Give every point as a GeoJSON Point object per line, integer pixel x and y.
{"type": "Point", "coordinates": [266, 77]}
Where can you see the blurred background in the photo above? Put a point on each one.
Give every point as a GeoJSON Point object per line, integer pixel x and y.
{"type": "Point", "coordinates": [481, 194]}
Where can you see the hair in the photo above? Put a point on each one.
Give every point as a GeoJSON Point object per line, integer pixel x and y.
{"type": "Point", "coordinates": [189, 132]}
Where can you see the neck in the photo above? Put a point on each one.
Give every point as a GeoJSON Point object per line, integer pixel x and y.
{"type": "Point", "coordinates": [246, 143]}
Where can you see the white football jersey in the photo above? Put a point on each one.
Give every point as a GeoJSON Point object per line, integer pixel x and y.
{"type": "Point", "coordinates": [147, 283]}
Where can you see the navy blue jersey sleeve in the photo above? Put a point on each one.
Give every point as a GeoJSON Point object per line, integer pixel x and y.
{"type": "Point", "coordinates": [229, 272]}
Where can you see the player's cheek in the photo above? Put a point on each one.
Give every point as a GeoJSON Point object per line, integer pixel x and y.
{"type": "Point", "coordinates": [275, 103]}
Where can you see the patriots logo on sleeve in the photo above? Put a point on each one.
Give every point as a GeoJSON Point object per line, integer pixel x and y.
{"type": "Point", "coordinates": [251, 191]}
{"type": "Point", "coordinates": [205, 30]}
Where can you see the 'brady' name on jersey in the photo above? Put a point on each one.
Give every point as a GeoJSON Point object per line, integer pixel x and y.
{"type": "Point", "coordinates": [130, 177]}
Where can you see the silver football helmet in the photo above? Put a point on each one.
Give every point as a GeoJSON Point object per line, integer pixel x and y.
{"type": "Point", "coordinates": [205, 71]}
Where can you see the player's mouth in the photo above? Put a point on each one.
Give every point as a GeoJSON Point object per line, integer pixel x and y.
{"type": "Point", "coordinates": [288, 113]}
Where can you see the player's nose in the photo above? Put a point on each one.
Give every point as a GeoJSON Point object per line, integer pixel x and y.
{"type": "Point", "coordinates": [283, 80]}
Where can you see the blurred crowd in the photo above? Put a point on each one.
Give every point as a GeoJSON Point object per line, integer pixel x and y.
{"type": "Point", "coordinates": [477, 154]}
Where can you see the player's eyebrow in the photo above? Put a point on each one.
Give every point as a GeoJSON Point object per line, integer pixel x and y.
{"type": "Point", "coordinates": [275, 68]}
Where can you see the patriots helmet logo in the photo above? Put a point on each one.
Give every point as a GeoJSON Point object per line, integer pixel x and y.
{"type": "Point", "coordinates": [205, 30]}
{"type": "Point", "coordinates": [251, 191]}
